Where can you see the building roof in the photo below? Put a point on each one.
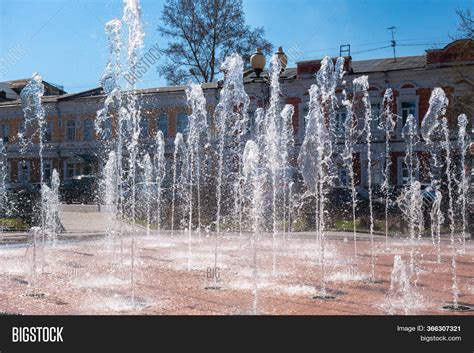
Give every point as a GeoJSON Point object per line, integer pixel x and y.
{"type": "Point", "coordinates": [389, 64]}
{"type": "Point", "coordinates": [9, 93]}
{"type": "Point", "coordinates": [439, 57]}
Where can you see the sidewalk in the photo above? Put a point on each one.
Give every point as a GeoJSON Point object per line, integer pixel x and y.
{"type": "Point", "coordinates": [82, 220]}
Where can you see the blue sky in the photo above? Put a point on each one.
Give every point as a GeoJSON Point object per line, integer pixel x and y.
{"type": "Point", "coordinates": [64, 40]}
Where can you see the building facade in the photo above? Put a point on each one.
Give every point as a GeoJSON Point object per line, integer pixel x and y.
{"type": "Point", "coordinates": [72, 146]}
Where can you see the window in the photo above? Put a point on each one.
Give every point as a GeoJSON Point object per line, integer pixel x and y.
{"type": "Point", "coordinates": [107, 129]}
{"type": "Point", "coordinates": [407, 109]}
{"type": "Point", "coordinates": [88, 130]}
{"type": "Point", "coordinates": [24, 172]}
{"type": "Point", "coordinates": [47, 170]}
{"type": "Point", "coordinates": [5, 133]}
{"type": "Point", "coordinates": [339, 126]}
{"type": "Point", "coordinates": [144, 128]}
{"type": "Point", "coordinates": [404, 175]}
{"type": "Point", "coordinates": [375, 109]}
{"type": "Point", "coordinates": [182, 124]}
{"type": "Point", "coordinates": [163, 124]}
{"type": "Point", "coordinates": [71, 130]}
{"type": "Point", "coordinates": [343, 177]}
{"type": "Point", "coordinates": [69, 170]}
{"type": "Point", "coordinates": [48, 131]}
{"type": "Point", "coordinates": [376, 172]}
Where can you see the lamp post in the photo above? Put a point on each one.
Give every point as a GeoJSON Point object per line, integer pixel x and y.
{"type": "Point", "coordinates": [282, 57]}
{"type": "Point", "coordinates": [257, 61]}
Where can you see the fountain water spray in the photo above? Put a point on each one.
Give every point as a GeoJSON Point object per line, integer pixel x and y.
{"type": "Point", "coordinates": [411, 199]}
{"type": "Point", "coordinates": [110, 191]}
{"type": "Point", "coordinates": [429, 131]}
{"type": "Point", "coordinates": [254, 178]}
{"type": "Point", "coordinates": [287, 143]}
{"type": "Point", "coordinates": [463, 182]}
{"type": "Point", "coordinates": [401, 293]}
{"type": "Point", "coordinates": [348, 157]}
{"type": "Point", "coordinates": [387, 124]}
{"type": "Point", "coordinates": [50, 197]}
{"type": "Point", "coordinates": [361, 107]}
{"type": "Point", "coordinates": [179, 186]}
{"type": "Point", "coordinates": [231, 117]}
{"type": "Point", "coordinates": [316, 152]}
{"type": "Point", "coordinates": [446, 145]}
{"type": "Point", "coordinates": [231, 120]}
{"type": "Point", "coordinates": [110, 83]}
{"type": "Point", "coordinates": [272, 147]}
{"type": "Point", "coordinates": [147, 189]}
{"type": "Point", "coordinates": [160, 173]}
{"type": "Point", "coordinates": [34, 123]}
{"type": "Point", "coordinates": [198, 143]}
{"type": "Point", "coordinates": [36, 247]}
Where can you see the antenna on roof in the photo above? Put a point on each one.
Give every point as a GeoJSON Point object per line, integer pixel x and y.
{"type": "Point", "coordinates": [346, 49]}
{"type": "Point", "coordinates": [394, 43]}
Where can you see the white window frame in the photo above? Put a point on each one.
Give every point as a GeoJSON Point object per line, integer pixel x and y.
{"type": "Point", "coordinates": [405, 99]}
{"type": "Point", "coordinates": [400, 163]}
{"type": "Point", "coordinates": [340, 126]}
{"type": "Point", "coordinates": [375, 123]}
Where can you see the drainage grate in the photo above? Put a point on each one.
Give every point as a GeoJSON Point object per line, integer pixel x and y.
{"type": "Point", "coordinates": [19, 280]}
{"type": "Point", "coordinates": [212, 288]}
{"type": "Point", "coordinates": [458, 308]}
{"type": "Point", "coordinates": [35, 295]}
{"type": "Point", "coordinates": [324, 297]}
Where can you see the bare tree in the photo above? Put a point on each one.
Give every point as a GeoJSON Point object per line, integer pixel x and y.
{"type": "Point", "coordinates": [466, 23]}
{"type": "Point", "coordinates": [202, 33]}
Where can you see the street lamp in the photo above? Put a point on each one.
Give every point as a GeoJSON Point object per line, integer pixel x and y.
{"type": "Point", "coordinates": [257, 61]}
{"type": "Point", "coordinates": [282, 57]}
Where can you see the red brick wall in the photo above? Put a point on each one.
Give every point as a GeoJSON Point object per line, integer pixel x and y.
{"type": "Point", "coordinates": [462, 50]}
{"type": "Point", "coordinates": [423, 103]}
{"type": "Point", "coordinates": [313, 66]}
